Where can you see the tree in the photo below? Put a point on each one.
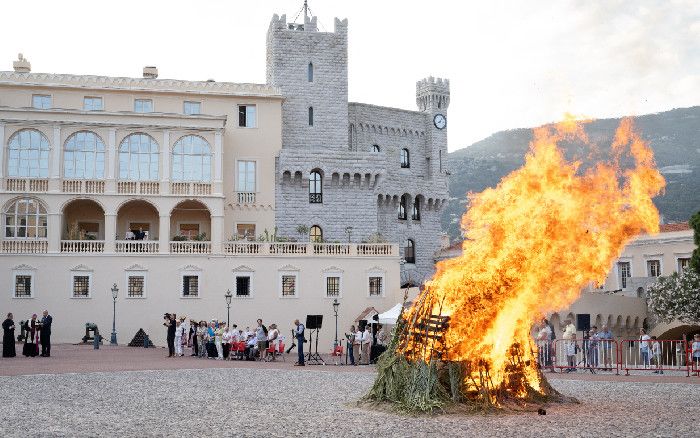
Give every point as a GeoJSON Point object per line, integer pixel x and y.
{"type": "Point", "coordinates": [678, 295]}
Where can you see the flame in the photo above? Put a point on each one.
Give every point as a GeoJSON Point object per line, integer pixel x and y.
{"type": "Point", "coordinates": [532, 243]}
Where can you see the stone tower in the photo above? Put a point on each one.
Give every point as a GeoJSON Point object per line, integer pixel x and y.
{"type": "Point", "coordinates": [311, 69]}
{"type": "Point", "coordinates": [433, 98]}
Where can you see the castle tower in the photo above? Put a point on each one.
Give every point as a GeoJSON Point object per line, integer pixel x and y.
{"type": "Point", "coordinates": [311, 69]}
{"type": "Point", "coordinates": [433, 98]}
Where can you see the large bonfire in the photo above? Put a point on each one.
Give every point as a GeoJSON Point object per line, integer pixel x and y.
{"type": "Point", "coordinates": [531, 244]}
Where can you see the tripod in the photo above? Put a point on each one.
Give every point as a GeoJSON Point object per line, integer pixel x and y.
{"type": "Point", "coordinates": [313, 358]}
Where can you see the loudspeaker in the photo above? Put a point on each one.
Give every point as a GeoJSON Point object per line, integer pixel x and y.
{"type": "Point", "coordinates": [314, 322]}
{"type": "Point", "coordinates": [583, 322]}
{"type": "Point", "coordinates": [362, 324]}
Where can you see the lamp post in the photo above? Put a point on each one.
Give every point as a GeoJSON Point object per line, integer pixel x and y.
{"type": "Point", "coordinates": [336, 304]}
{"type": "Point", "coordinates": [115, 291]}
{"type": "Point", "coordinates": [348, 230]}
{"type": "Point", "coordinates": [228, 297]}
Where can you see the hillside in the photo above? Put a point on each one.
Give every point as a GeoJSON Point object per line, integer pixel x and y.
{"type": "Point", "coordinates": [673, 135]}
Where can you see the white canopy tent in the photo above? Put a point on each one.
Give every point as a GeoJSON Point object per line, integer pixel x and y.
{"type": "Point", "coordinates": [391, 315]}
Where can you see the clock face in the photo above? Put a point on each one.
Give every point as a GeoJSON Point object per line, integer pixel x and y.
{"type": "Point", "coordinates": [440, 121]}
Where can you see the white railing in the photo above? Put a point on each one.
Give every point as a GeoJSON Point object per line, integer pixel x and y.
{"type": "Point", "coordinates": [331, 248]}
{"type": "Point", "coordinates": [136, 246]}
{"type": "Point", "coordinates": [83, 186]}
{"type": "Point", "coordinates": [190, 247]}
{"type": "Point", "coordinates": [243, 247]}
{"type": "Point", "coordinates": [24, 246]}
{"type": "Point", "coordinates": [187, 188]}
{"type": "Point", "coordinates": [375, 249]}
{"type": "Point", "coordinates": [26, 185]}
{"type": "Point", "coordinates": [246, 197]}
{"type": "Point", "coordinates": [77, 246]}
{"type": "Point", "coordinates": [138, 187]}
{"type": "Point", "coordinates": [288, 248]}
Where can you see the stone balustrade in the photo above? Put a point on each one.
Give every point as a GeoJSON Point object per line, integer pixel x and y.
{"type": "Point", "coordinates": [25, 185]}
{"type": "Point", "coordinates": [136, 246]}
{"type": "Point", "coordinates": [83, 186]}
{"type": "Point", "coordinates": [138, 187]}
{"type": "Point", "coordinates": [190, 188]}
{"type": "Point", "coordinates": [190, 247]}
{"type": "Point", "coordinates": [82, 246]}
{"type": "Point", "coordinates": [21, 246]}
{"type": "Point", "coordinates": [246, 197]}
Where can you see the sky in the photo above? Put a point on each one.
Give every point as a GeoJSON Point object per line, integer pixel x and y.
{"type": "Point", "coordinates": [511, 64]}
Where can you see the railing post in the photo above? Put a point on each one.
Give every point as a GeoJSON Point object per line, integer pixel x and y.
{"type": "Point", "coordinates": [352, 251]}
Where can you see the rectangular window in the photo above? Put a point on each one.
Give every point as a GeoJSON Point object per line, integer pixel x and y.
{"type": "Point", "coordinates": [41, 101]}
{"type": "Point", "coordinates": [375, 286]}
{"type": "Point", "coordinates": [246, 176]}
{"type": "Point", "coordinates": [81, 286]}
{"type": "Point", "coordinates": [247, 116]}
{"type": "Point", "coordinates": [653, 268]}
{"type": "Point", "coordinates": [92, 104]}
{"type": "Point", "coordinates": [245, 231]}
{"type": "Point", "coordinates": [624, 271]}
{"type": "Point", "coordinates": [243, 286]}
{"type": "Point", "coordinates": [193, 108]}
{"type": "Point", "coordinates": [683, 263]}
{"type": "Point", "coordinates": [23, 286]}
{"type": "Point", "coordinates": [289, 283]}
{"type": "Point", "coordinates": [143, 106]}
{"type": "Point", "coordinates": [332, 286]}
{"type": "Point", "coordinates": [136, 286]}
{"type": "Point", "coordinates": [190, 285]}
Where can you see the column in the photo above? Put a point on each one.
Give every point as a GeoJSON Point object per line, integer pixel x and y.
{"type": "Point", "coordinates": [217, 234]}
{"type": "Point", "coordinates": [54, 232]}
{"type": "Point", "coordinates": [55, 166]}
{"type": "Point", "coordinates": [110, 232]}
{"type": "Point", "coordinates": [2, 150]}
{"type": "Point", "coordinates": [164, 235]}
{"type": "Point", "coordinates": [165, 164]}
{"type": "Point", "coordinates": [218, 163]}
{"type": "Point", "coordinates": [111, 165]}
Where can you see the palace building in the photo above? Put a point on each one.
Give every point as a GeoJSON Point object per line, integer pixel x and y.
{"type": "Point", "coordinates": [176, 191]}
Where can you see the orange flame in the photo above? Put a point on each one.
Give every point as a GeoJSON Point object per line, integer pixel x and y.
{"type": "Point", "coordinates": [547, 230]}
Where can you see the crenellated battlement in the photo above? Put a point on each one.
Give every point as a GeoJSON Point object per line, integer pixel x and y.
{"type": "Point", "coordinates": [433, 93]}
{"type": "Point", "coordinates": [310, 24]}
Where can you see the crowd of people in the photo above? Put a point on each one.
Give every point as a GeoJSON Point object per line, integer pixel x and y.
{"type": "Point", "coordinates": [35, 333]}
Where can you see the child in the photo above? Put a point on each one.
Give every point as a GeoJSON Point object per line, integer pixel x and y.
{"type": "Point", "coordinates": [178, 339]}
{"type": "Point", "coordinates": [571, 348]}
{"type": "Point", "coordinates": [656, 351]}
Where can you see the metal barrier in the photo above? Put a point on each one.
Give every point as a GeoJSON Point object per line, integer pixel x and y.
{"type": "Point", "coordinates": [655, 355]}
{"type": "Point", "coordinates": [588, 354]}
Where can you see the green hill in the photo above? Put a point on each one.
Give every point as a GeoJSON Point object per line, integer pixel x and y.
{"type": "Point", "coordinates": [673, 135]}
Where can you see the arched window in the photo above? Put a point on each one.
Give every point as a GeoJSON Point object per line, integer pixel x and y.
{"type": "Point", "coordinates": [316, 234]}
{"type": "Point", "coordinates": [403, 207]}
{"type": "Point", "coordinates": [375, 148]}
{"type": "Point", "coordinates": [138, 158]}
{"type": "Point", "coordinates": [409, 251]}
{"type": "Point", "coordinates": [311, 116]}
{"type": "Point", "coordinates": [28, 155]}
{"type": "Point", "coordinates": [84, 156]}
{"type": "Point", "coordinates": [310, 72]}
{"type": "Point", "coordinates": [315, 187]}
{"type": "Point", "coordinates": [191, 159]}
{"type": "Point", "coordinates": [405, 159]}
{"type": "Point", "coordinates": [26, 218]}
{"type": "Point", "coordinates": [416, 209]}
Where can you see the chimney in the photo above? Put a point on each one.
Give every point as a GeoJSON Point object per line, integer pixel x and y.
{"type": "Point", "coordinates": [22, 65]}
{"type": "Point", "coordinates": [150, 72]}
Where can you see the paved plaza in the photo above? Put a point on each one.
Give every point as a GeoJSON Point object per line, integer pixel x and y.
{"type": "Point", "coordinates": [136, 392]}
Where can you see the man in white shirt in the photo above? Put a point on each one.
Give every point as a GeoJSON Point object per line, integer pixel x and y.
{"type": "Point", "coordinates": [356, 344]}
{"type": "Point", "coordinates": [366, 343]}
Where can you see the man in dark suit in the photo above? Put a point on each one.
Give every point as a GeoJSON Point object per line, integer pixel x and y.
{"type": "Point", "coordinates": [45, 334]}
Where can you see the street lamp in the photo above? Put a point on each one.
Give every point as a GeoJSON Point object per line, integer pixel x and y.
{"type": "Point", "coordinates": [336, 304]}
{"type": "Point", "coordinates": [115, 292]}
{"type": "Point", "coordinates": [348, 230]}
{"type": "Point", "coordinates": [228, 296]}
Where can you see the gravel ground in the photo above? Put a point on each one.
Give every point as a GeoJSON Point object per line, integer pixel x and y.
{"type": "Point", "coordinates": [268, 402]}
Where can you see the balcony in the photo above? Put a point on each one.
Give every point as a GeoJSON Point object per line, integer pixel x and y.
{"type": "Point", "coordinates": [19, 246]}
{"type": "Point", "coordinates": [190, 247]}
{"type": "Point", "coordinates": [310, 249]}
{"type": "Point", "coordinates": [246, 197]}
{"type": "Point", "coordinates": [82, 246]}
{"type": "Point", "coordinates": [83, 186]}
{"type": "Point", "coordinates": [331, 249]}
{"type": "Point", "coordinates": [136, 246]}
{"type": "Point", "coordinates": [376, 249]}
{"type": "Point", "coordinates": [189, 188]}
{"type": "Point", "coordinates": [23, 185]}
{"type": "Point", "coordinates": [138, 187]}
